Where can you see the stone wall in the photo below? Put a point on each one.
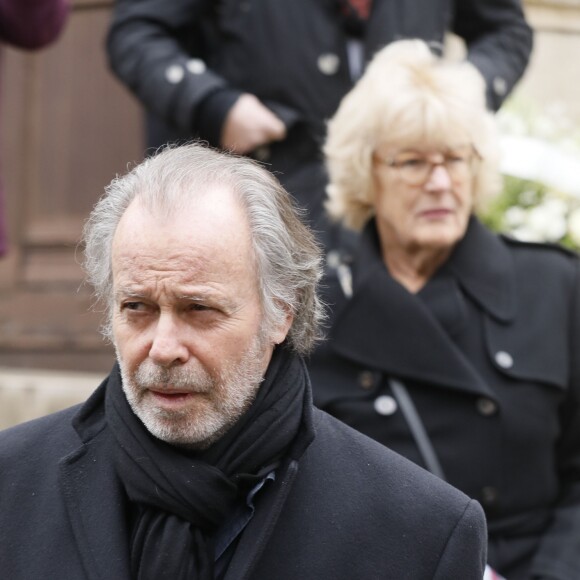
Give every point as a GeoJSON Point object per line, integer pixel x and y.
{"type": "Point", "coordinates": [25, 395]}
{"type": "Point", "coordinates": [553, 75]}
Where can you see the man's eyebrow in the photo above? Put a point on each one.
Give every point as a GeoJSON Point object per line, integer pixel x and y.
{"type": "Point", "coordinates": [196, 297]}
{"type": "Point", "coordinates": [128, 291]}
{"type": "Point", "coordinates": [214, 297]}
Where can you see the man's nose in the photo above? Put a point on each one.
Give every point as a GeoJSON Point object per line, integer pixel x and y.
{"type": "Point", "coordinates": [168, 345]}
{"type": "Point", "coordinates": [439, 179]}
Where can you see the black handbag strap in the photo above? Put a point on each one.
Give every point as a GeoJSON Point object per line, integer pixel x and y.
{"type": "Point", "coordinates": [400, 392]}
{"type": "Point", "coordinates": [417, 428]}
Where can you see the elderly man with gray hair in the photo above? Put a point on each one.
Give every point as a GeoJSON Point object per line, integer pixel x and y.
{"type": "Point", "coordinates": [201, 455]}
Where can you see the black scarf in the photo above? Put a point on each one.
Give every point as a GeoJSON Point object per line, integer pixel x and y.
{"type": "Point", "coordinates": [181, 498]}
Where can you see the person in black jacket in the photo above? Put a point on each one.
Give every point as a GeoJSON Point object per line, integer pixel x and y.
{"type": "Point", "coordinates": [451, 345]}
{"type": "Point", "coordinates": [261, 77]}
{"type": "Point", "coordinates": [201, 455]}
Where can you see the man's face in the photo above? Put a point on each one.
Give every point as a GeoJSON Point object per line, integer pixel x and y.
{"type": "Point", "coordinates": [187, 319]}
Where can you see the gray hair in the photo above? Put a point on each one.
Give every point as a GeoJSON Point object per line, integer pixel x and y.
{"type": "Point", "coordinates": [287, 256]}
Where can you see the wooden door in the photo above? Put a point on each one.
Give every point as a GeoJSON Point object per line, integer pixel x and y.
{"type": "Point", "coordinates": [67, 128]}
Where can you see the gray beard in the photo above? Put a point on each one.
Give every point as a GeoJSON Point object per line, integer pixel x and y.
{"type": "Point", "coordinates": [220, 402]}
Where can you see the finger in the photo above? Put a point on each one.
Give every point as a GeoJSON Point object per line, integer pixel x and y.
{"type": "Point", "coordinates": [277, 130]}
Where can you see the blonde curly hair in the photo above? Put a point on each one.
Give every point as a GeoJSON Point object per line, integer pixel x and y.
{"type": "Point", "coordinates": [407, 97]}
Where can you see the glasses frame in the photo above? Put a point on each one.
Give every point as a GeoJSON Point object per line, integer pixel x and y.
{"type": "Point", "coordinates": [475, 157]}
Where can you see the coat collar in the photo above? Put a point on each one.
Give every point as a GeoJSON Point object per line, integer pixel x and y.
{"type": "Point", "coordinates": [481, 264]}
{"type": "Point", "coordinates": [87, 476]}
{"type": "Point", "coordinates": [484, 267]}
{"type": "Point", "coordinates": [385, 327]}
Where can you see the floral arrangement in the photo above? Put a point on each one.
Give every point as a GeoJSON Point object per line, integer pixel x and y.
{"type": "Point", "coordinates": [540, 201]}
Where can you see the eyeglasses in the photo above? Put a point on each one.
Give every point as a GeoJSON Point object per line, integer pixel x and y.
{"type": "Point", "coordinates": [415, 168]}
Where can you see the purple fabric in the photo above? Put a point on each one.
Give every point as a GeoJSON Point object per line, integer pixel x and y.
{"type": "Point", "coordinates": [28, 24]}
{"type": "Point", "coordinates": [31, 24]}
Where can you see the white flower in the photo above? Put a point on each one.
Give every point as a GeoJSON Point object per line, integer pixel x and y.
{"type": "Point", "coordinates": [514, 216]}
{"type": "Point", "coordinates": [547, 224]}
{"type": "Point", "coordinates": [511, 124]}
{"type": "Point", "coordinates": [540, 145]}
{"type": "Point", "coordinates": [570, 145]}
{"type": "Point", "coordinates": [528, 197]}
{"type": "Point", "coordinates": [555, 206]}
{"type": "Point", "coordinates": [574, 226]}
{"type": "Point", "coordinates": [545, 128]}
{"type": "Point", "coordinates": [558, 113]}
{"type": "Point", "coordinates": [526, 234]}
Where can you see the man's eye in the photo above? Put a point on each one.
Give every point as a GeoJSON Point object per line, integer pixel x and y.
{"type": "Point", "coordinates": [133, 306]}
{"type": "Point", "coordinates": [199, 307]}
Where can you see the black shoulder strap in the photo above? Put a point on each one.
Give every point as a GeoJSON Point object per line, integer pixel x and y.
{"type": "Point", "coordinates": [417, 428]}
{"type": "Point", "coordinates": [401, 394]}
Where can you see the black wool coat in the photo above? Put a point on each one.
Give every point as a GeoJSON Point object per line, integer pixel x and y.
{"type": "Point", "coordinates": [188, 60]}
{"type": "Point", "coordinates": [348, 509]}
{"type": "Point", "coordinates": [489, 350]}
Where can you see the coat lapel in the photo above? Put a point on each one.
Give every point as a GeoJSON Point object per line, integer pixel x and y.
{"type": "Point", "coordinates": [256, 535]}
{"type": "Point", "coordinates": [484, 267]}
{"type": "Point", "coordinates": [387, 328]}
{"type": "Point", "coordinates": [99, 527]}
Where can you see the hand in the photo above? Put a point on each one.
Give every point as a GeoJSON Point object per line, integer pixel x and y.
{"type": "Point", "coordinates": [250, 124]}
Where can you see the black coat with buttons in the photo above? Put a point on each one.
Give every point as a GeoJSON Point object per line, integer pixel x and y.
{"type": "Point", "coordinates": [489, 350]}
{"type": "Point", "coordinates": [188, 60]}
{"type": "Point", "coordinates": [348, 509]}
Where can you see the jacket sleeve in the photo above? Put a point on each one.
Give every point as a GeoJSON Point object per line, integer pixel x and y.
{"type": "Point", "coordinates": [499, 42]}
{"type": "Point", "coordinates": [465, 552]}
{"type": "Point", "coordinates": [157, 49]}
{"type": "Point", "coordinates": [31, 24]}
{"type": "Point", "coordinates": [559, 554]}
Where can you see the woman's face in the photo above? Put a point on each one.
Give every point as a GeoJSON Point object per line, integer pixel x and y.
{"type": "Point", "coordinates": [423, 196]}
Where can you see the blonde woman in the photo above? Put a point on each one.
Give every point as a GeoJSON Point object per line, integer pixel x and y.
{"type": "Point", "coordinates": [453, 346]}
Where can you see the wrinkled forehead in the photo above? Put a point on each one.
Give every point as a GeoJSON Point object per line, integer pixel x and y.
{"type": "Point", "coordinates": [211, 227]}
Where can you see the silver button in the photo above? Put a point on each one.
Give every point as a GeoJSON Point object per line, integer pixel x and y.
{"type": "Point", "coordinates": [262, 153]}
{"type": "Point", "coordinates": [174, 74]}
{"type": "Point", "coordinates": [196, 66]}
{"type": "Point", "coordinates": [385, 405]}
{"type": "Point", "coordinates": [504, 359]}
{"type": "Point", "coordinates": [366, 380]}
{"type": "Point", "coordinates": [328, 63]}
{"type": "Point", "coordinates": [500, 86]}
{"type": "Point", "coordinates": [486, 407]}
{"type": "Point", "coordinates": [333, 259]}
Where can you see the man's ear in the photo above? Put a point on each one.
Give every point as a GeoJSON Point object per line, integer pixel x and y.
{"type": "Point", "coordinates": [279, 333]}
